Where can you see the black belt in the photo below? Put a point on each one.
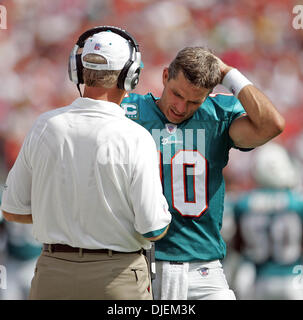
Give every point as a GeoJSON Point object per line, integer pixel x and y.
{"type": "Point", "coordinates": [66, 248]}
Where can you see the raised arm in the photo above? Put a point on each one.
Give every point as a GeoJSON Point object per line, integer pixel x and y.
{"type": "Point", "coordinates": [262, 121]}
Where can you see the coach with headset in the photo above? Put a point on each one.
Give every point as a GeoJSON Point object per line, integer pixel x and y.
{"type": "Point", "coordinates": [87, 178]}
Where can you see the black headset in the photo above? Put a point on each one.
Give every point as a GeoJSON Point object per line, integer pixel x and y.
{"type": "Point", "coordinates": [129, 75]}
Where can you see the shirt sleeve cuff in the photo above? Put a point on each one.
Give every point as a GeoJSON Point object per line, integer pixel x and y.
{"type": "Point", "coordinates": [15, 210]}
{"type": "Point", "coordinates": [155, 233]}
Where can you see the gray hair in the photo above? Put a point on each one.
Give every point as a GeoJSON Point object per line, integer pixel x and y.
{"type": "Point", "coordinates": [199, 66]}
{"type": "Point", "coordinates": [99, 78]}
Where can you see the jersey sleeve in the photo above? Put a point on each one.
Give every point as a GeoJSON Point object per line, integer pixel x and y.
{"type": "Point", "coordinates": [237, 110]}
{"type": "Point", "coordinates": [16, 197]}
{"type": "Point", "coordinates": [149, 204]}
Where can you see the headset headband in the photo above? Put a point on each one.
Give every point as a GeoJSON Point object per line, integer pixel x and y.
{"type": "Point", "coordinates": [121, 32]}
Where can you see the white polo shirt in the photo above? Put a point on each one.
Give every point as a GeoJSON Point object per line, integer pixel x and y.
{"type": "Point", "coordinates": [90, 178]}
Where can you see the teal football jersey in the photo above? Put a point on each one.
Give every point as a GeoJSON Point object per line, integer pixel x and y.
{"type": "Point", "coordinates": [192, 155]}
{"type": "Point", "coordinates": [271, 230]}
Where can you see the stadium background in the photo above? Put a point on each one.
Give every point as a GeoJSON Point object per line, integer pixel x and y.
{"type": "Point", "coordinates": [256, 36]}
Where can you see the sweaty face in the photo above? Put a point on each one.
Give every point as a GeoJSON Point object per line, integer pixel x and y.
{"type": "Point", "coordinates": [180, 99]}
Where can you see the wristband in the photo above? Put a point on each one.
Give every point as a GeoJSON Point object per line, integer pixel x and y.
{"type": "Point", "coordinates": [235, 81]}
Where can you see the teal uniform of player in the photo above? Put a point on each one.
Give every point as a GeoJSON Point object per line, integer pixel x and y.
{"type": "Point", "coordinates": [192, 155]}
{"type": "Point", "coordinates": [270, 225]}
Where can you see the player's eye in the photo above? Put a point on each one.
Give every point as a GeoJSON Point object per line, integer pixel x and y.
{"type": "Point", "coordinates": [177, 94]}
{"type": "Point", "coordinates": [195, 103]}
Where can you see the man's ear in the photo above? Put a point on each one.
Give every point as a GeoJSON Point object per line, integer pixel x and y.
{"type": "Point", "coordinates": [165, 76]}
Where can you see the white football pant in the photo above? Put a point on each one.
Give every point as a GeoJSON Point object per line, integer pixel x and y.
{"type": "Point", "coordinates": [191, 281]}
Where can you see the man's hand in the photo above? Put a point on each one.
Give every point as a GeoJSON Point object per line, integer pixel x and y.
{"type": "Point", "coordinates": [262, 121]}
{"type": "Point", "coordinates": [224, 68]}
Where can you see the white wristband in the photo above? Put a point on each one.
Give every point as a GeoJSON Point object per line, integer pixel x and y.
{"type": "Point", "coordinates": [235, 81]}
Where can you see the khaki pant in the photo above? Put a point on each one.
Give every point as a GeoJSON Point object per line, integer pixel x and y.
{"type": "Point", "coordinates": [93, 276]}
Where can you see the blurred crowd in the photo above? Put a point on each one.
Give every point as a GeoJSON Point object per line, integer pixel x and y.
{"type": "Point", "coordinates": [255, 36]}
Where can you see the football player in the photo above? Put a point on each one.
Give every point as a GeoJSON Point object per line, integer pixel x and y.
{"type": "Point", "coordinates": [194, 131]}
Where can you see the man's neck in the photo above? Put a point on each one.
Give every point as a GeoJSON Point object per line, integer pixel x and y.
{"type": "Point", "coordinates": [111, 95]}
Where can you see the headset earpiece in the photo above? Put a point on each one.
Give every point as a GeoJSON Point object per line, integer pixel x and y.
{"type": "Point", "coordinates": [73, 69]}
{"type": "Point", "coordinates": [129, 76]}
{"type": "Point", "coordinates": [79, 68]}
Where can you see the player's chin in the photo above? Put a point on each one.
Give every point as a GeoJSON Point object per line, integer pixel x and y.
{"type": "Point", "coordinates": [174, 121]}
{"type": "Point", "coordinates": [174, 118]}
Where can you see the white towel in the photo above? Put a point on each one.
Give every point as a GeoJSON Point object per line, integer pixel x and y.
{"type": "Point", "coordinates": [174, 284]}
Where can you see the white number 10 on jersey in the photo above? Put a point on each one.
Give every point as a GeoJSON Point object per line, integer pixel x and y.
{"type": "Point", "coordinates": [184, 164]}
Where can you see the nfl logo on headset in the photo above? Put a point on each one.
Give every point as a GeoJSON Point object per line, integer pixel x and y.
{"type": "Point", "coordinates": [97, 46]}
